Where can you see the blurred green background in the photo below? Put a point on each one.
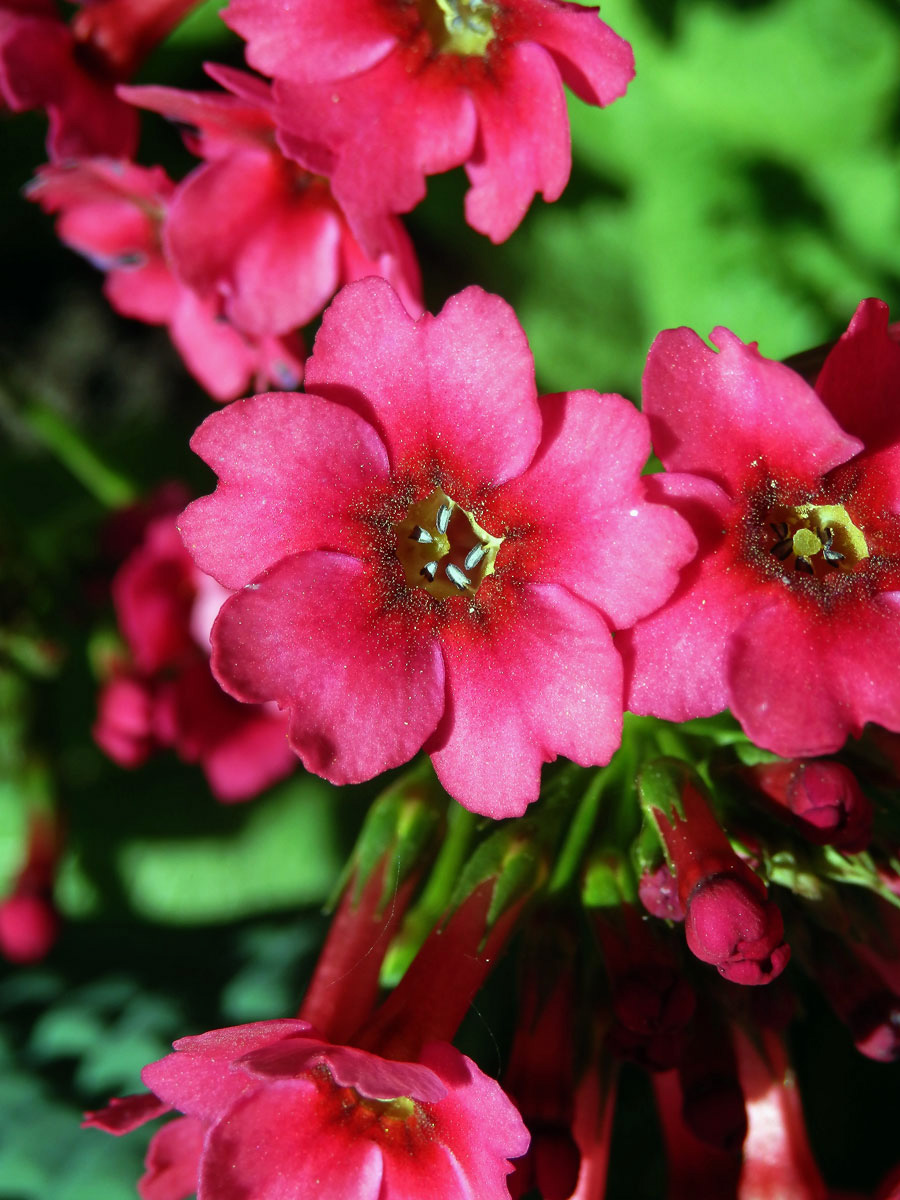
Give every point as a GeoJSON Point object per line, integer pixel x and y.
{"type": "Point", "coordinates": [750, 178]}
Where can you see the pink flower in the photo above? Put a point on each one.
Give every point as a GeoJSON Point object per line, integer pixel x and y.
{"type": "Point", "coordinates": [790, 615]}
{"type": "Point", "coordinates": [113, 213]}
{"type": "Point", "coordinates": [251, 231]}
{"type": "Point", "coordinates": [166, 695]}
{"type": "Point", "coordinates": [428, 555]}
{"type": "Point", "coordinates": [282, 1112]}
{"type": "Point", "coordinates": [378, 95]}
{"type": "Point", "coordinates": [72, 70]}
{"type": "Point", "coordinates": [29, 922]}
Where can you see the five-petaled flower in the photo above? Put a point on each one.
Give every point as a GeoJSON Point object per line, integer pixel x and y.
{"type": "Point", "coordinates": [426, 554]}
{"type": "Point", "coordinates": [378, 94]}
{"type": "Point", "coordinates": [272, 1109]}
{"type": "Point", "coordinates": [790, 616]}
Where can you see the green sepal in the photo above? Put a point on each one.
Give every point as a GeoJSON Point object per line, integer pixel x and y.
{"type": "Point", "coordinates": [514, 858]}
{"type": "Point", "coordinates": [609, 881]}
{"type": "Point", "coordinates": [398, 833]}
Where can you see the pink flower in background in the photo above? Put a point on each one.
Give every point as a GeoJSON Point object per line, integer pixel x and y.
{"type": "Point", "coordinates": [377, 95]}
{"type": "Point", "coordinates": [251, 231]}
{"type": "Point", "coordinates": [790, 616]}
{"type": "Point", "coordinates": [72, 70]}
{"type": "Point", "coordinates": [428, 555]}
{"type": "Point", "coordinates": [113, 213]}
{"type": "Point", "coordinates": [283, 1112]}
{"type": "Point", "coordinates": [166, 696]}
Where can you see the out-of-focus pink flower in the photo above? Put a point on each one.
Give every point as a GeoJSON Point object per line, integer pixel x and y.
{"type": "Point", "coordinates": [778, 1160]}
{"type": "Point", "coordinates": [113, 213]}
{"type": "Point", "coordinates": [284, 1112]}
{"type": "Point", "coordinates": [824, 799]}
{"type": "Point", "coordinates": [379, 95]}
{"type": "Point", "coordinates": [250, 230]}
{"type": "Point", "coordinates": [426, 554]}
{"type": "Point", "coordinates": [29, 923]}
{"type": "Point", "coordinates": [694, 1167]}
{"type": "Point", "coordinates": [166, 696]}
{"type": "Point", "coordinates": [72, 70]}
{"type": "Point", "coordinates": [790, 615]}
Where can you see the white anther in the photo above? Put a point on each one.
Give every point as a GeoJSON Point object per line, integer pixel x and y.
{"type": "Point", "coordinates": [456, 577]}
{"type": "Point", "coordinates": [429, 571]}
{"type": "Point", "coordinates": [421, 535]}
{"type": "Point", "coordinates": [442, 520]}
{"type": "Point", "coordinates": [474, 557]}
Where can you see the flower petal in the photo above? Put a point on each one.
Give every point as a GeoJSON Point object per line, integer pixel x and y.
{"type": "Point", "coordinates": [370, 1074]}
{"type": "Point", "coordinates": [364, 691]}
{"type": "Point", "coordinates": [173, 1161]}
{"type": "Point", "coordinates": [378, 135]}
{"type": "Point", "coordinates": [311, 42]}
{"type": "Point", "coordinates": [802, 680]}
{"type": "Point", "coordinates": [457, 388]}
{"type": "Point", "coordinates": [587, 502]}
{"type": "Point", "coordinates": [290, 467]}
{"type": "Point", "coordinates": [860, 380]}
{"type": "Point", "coordinates": [287, 1142]}
{"type": "Point", "coordinates": [198, 1078]}
{"type": "Point", "coordinates": [675, 659]}
{"type": "Point", "coordinates": [594, 61]}
{"type": "Point", "coordinates": [545, 680]}
{"type": "Point", "coordinates": [523, 143]}
{"type": "Point", "coordinates": [725, 414]}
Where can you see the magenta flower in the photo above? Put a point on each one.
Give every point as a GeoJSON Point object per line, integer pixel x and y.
{"type": "Point", "coordinates": [250, 231]}
{"type": "Point", "coordinates": [790, 615]}
{"type": "Point", "coordinates": [284, 1113]}
{"type": "Point", "coordinates": [428, 555]}
{"type": "Point", "coordinates": [166, 695]}
{"type": "Point", "coordinates": [72, 70]}
{"type": "Point", "coordinates": [378, 95]}
{"type": "Point", "coordinates": [113, 213]}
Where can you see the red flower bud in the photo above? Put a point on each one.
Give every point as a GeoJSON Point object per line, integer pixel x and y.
{"type": "Point", "coordinates": [731, 924]}
{"type": "Point", "coordinates": [28, 927]}
{"type": "Point", "coordinates": [827, 804]}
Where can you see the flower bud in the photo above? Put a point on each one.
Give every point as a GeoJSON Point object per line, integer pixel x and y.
{"type": "Point", "coordinates": [733, 925]}
{"type": "Point", "coordinates": [824, 799]}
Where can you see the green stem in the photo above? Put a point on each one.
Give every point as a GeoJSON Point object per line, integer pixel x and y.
{"type": "Point", "coordinates": [435, 895]}
{"type": "Point", "coordinates": [106, 485]}
{"type": "Point", "coordinates": [579, 834]}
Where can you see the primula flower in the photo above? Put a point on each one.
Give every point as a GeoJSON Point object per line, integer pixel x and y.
{"type": "Point", "coordinates": [251, 230]}
{"type": "Point", "coordinates": [790, 615]}
{"type": "Point", "coordinates": [113, 213]}
{"type": "Point", "coordinates": [378, 95]}
{"type": "Point", "coordinates": [428, 555]}
{"type": "Point", "coordinates": [72, 70]}
{"type": "Point", "coordinates": [283, 1113]}
{"type": "Point", "coordinates": [166, 695]}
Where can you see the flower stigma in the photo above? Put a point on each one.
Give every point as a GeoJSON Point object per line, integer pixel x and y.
{"type": "Point", "coordinates": [459, 26]}
{"type": "Point", "coordinates": [815, 539]}
{"type": "Point", "coordinates": [443, 549]}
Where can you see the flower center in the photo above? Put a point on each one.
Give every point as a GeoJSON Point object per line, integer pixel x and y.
{"type": "Point", "coordinates": [443, 549]}
{"type": "Point", "coordinates": [459, 26]}
{"type": "Point", "coordinates": [815, 539]}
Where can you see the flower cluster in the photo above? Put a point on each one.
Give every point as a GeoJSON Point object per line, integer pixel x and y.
{"type": "Point", "coordinates": [694, 604]}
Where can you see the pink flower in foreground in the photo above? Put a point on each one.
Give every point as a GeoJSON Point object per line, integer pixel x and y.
{"type": "Point", "coordinates": [167, 696]}
{"type": "Point", "coordinates": [790, 615]}
{"type": "Point", "coordinates": [113, 213]}
{"type": "Point", "coordinates": [283, 1113]}
{"type": "Point", "coordinates": [426, 554]}
{"type": "Point", "coordinates": [378, 94]}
